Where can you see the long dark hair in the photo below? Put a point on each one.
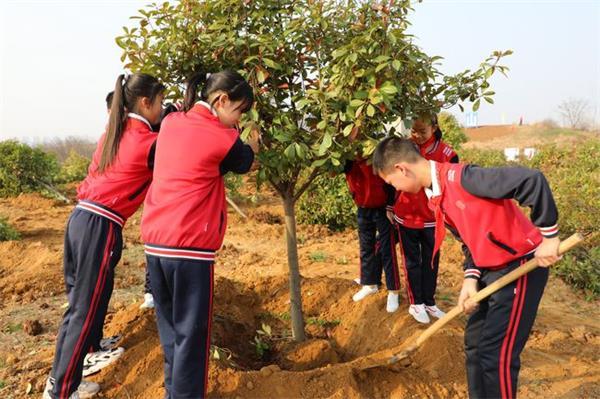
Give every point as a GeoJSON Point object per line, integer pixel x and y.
{"type": "Point", "coordinates": [127, 91]}
{"type": "Point", "coordinates": [227, 81]}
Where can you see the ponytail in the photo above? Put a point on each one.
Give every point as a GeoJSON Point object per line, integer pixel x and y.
{"type": "Point", "coordinates": [127, 91]}
{"type": "Point", "coordinates": [112, 138]}
{"type": "Point", "coordinates": [191, 92]}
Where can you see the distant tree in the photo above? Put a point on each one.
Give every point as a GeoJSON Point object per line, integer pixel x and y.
{"type": "Point", "coordinates": [452, 131]}
{"type": "Point", "coordinates": [575, 113]}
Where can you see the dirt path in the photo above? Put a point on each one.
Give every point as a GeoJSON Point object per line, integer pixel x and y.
{"type": "Point", "coordinates": [560, 361]}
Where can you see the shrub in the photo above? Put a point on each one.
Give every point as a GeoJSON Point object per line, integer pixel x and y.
{"type": "Point", "coordinates": [452, 131]}
{"type": "Point", "coordinates": [74, 168]}
{"type": "Point", "coordinates": [7, 232]}
{"type": "Point", "coordinates": [24, 169]}
{"type": "Point", "coordinates": [328, 202]}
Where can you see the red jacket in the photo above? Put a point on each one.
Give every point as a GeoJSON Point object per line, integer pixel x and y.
{"type": "Point", "coordinates": [119, 191]}
{"type": "Point", "coordinates": [367, 189]}
{"type": "Point", "coordinates": [495, 231]}
{"type": "Point", "coordinates": [185, 211]}
{"type": "Point", "coordinates": [411, 210]}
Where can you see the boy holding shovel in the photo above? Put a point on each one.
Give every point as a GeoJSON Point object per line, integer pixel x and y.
{"type": "Point", "coordinates": [476, 205]}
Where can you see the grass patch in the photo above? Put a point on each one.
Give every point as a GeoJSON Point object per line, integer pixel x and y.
{"type": "Point", "coordinates": [318, 256]}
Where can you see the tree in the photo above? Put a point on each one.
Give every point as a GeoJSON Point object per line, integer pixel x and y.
{"type": "Point", "coordinates": [574, 113]}
{"type": "Point", "coordinates": [25, 169]}
{"type": "Point", "coordinates": [452, 131]}
{"type": "Point", "coordinates": [322, 71]}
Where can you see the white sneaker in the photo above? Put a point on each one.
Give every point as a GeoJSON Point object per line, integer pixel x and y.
{"type": "Point", "coordinates": [110, 342]}
{"type": "Point", "coordinates": [364, 292]}
{"type": "Point", "coordinates": [85, 390]}
{"type": "Point", "coordinates": [96, 361]}
{"type": "Point", "coordinates": [435, 311]}
{"type": "Point", "coordinates": [148, 301]}
{"type": "Point", "coordinates": [392, 302]}
{"type": "Point", "coordinates": [419, 313]}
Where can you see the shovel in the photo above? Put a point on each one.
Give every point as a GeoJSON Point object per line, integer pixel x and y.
{"type": "Point", "coordinates": [565, 246]}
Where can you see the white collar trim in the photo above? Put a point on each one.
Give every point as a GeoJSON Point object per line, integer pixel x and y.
{"type": "Point", "coordinates": [434, 191]}
{"type": "Point", "coordinates": [207, 106]}
{"type": "Point", "coordinates": [139, 118]}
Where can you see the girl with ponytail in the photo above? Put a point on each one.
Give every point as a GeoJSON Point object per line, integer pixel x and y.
{"type": "Point", "coordinates": [185, 219]}
{"type": "Point", "coordinates": [115, 187]}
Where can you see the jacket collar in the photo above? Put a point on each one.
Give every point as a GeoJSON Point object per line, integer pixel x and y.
{"type": "Point", "coordinates": [434, 190]}
{"type": "Point", "coordinates": [140, 118]}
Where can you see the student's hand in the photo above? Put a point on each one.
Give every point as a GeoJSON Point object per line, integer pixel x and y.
{"type": "Point", "coordinates": [469, 288]}
{"type": "Point", "coordinates": [254, 140]}
{"type": "Point", "coordinates": [547, 253]}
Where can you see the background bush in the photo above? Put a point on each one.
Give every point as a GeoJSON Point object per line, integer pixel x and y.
{"type": "Point", "coordinates": [74, 168]}
{"type": "Point", "coordinates": [452, 131]}
{"type": "Point", "coordinates": [24, 169]}
{"type": "Point", "coordinates": [328, 202]}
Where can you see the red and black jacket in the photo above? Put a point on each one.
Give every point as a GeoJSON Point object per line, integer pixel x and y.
{"type": "Point", "coordinates": [367, 189]}
{"type": "Point", "coordinates": [477, 205]}
{"type": "Point", "coordinates": [119, 190]}
{"type": "Point", "coordinates": [411, 210]}
{"type": "Point", "coordinates": [185, 211]}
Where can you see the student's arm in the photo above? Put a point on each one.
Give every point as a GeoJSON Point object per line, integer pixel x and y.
{"type": "Point", "coordinates": [238, 160]}
{"type": "Point", "coordinates": [530, 188]}
{"type": "Point", "coordinates": [151, 155]}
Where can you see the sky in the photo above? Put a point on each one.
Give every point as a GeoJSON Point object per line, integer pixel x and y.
{"type": "Point", "coordinates": [58, 58]}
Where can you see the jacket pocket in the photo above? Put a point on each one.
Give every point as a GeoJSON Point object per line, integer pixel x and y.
{"type": "Point", "coordinates": [221, 222]}
{"type": "Point", "coordinates": [500, 244]}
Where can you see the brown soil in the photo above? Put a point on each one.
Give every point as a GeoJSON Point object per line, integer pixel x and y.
{"type": "Point", "coordinates": [251, 294]}
{"type": "Point", "coordinates": [504, 136]}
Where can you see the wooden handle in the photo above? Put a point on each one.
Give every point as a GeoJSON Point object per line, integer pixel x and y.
{"type": "Point", "coordinates": [528, 266]}
{"type": "Point", "coordinates": [235, 207]}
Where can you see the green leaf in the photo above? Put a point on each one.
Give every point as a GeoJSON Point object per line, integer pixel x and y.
{"type": "Point", "coordinates": [290, 152]}
{"type": "Point", "coordinates": [381, 59]}
{"type": "Point", "coordinates": [348, 129]}
{"type": "Point", "coordinates": [396, 65]}
{"type": "Point", "coordinates": [261, 76]}
{"type": "Point", "coordinates": [381, 66]}
{"type": "Point", "coordinates": [270, 63]}
{"type": "Point", "coordinates": [389, 89]}
{"type": "Point", "coordinates": [356, 103]}
{"type": "Point", "coordinates": [322, 125]}
{"type": "Point", "coordinates": [370, 110]}
{"type": "Point", "coordinates": [476, 105]}
{"type": "Point", "coordinates": [489, 100]}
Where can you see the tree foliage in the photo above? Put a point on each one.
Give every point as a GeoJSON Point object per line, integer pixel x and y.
{"type": "Point", "coordinates": [323, 71]}
{"type": "Point", "coordinates": [452, 131]}
{"type": "Point", "coordinates": [24, 169]}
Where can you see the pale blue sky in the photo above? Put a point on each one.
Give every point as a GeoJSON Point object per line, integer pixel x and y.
{"type": "Point", "coordinates": [59, 58]}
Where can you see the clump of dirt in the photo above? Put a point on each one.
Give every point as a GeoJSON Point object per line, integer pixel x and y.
{"type": "Point", "coordinates": [310, 354]}
{"type": "Point", "coordinates": [267, 217]}
{"type": "Point", "coordinates": [32, 327]}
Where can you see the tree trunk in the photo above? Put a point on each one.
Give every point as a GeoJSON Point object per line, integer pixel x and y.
{"type": "Point", "coordinates": [293, 264]}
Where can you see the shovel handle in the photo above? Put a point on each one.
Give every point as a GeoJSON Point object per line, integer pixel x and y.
{"type": "Point", "coordinates": [528, 266]}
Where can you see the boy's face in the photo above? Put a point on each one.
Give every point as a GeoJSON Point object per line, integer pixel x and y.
{"type": "Point", "coordinates": [402, 178]}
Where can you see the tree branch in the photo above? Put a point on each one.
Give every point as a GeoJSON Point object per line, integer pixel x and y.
{"type": "Point", "coordinates": [316, 172]}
